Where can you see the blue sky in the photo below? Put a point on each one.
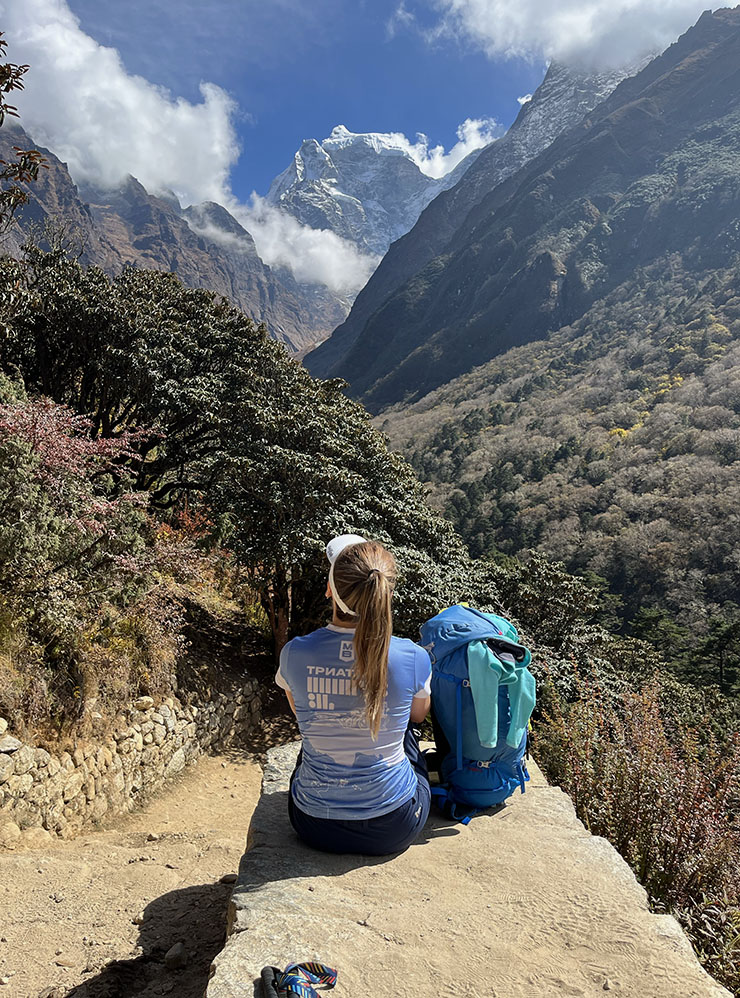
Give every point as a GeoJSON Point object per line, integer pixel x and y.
{"type": "Point", "coordinates": [296, 70]}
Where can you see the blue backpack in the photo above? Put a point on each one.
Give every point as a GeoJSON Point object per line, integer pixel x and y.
{"type": "Point", "coordinates": [483, 695]}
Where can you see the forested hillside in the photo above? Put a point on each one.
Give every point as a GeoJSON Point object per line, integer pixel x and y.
{"type": "Point", "coordinates": [614, 447]}
{"type": "Point", "coordinates": [605, 433]}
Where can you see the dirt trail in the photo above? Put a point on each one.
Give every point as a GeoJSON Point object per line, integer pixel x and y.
{"type": "Point", "coordinates": [69, 913]}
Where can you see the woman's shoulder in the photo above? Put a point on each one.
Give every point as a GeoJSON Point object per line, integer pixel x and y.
{"type": "Point", "coordinates": [324, 631]}
{"type": "Point", "coordinates": [408, 647]}
{"type": "Point", "coordinates": [302, 648]}
{"type": "Point", "coordinates": [310, 638]}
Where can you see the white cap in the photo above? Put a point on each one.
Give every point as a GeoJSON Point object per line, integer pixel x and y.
{"type": "Point", "coordinates": [337, 544]}
{"type": "Point", "coordinates": [333, 549]}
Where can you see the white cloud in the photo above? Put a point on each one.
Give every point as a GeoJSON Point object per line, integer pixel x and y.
{"type": "Point", "coordinates": [80, 101]}
{"type": "Point", "coordinates": [314, 255]}
{"type": "Point", "coordinates": [521, 101]}
{"type": "Point", "coordinates": [472, 134]}
{"type": "Point", "coordinates": [401, 18]}
{"type": "Point", "coordinates": [202, 226]}
{"type": "Point", "coordinates": [105, 123]}
{"type": "Point", "coordinates": [597, 32]}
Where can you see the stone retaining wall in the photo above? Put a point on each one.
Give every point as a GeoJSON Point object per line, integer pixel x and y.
{"type": "Point", "coordinates": [44, 794]}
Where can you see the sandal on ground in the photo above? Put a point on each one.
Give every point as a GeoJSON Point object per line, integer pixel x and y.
{"type": "Point", "coordinates": [297, 979]}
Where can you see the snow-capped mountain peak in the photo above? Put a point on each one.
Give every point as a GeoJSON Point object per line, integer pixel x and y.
{"type": "Point", "coordinates": [364, 186]}
{"type": "Point", "coordinates": [382, 144]}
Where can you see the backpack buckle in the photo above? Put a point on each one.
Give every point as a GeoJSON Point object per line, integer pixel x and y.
{"type": "Point", "coordinates": [466, 682]}
{"type": "Point", "coordinates": [482, 765]}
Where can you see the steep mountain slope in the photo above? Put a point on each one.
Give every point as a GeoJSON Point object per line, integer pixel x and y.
{"type": "Point", "coordinates": [613, 446]}
{"type": "Point", "coordinates": [208, 248]}
{"type": "Point", "coordinates": [561, 101]}
{"type": "Point", "coordinates": [652, 172]}
{"type": "Point", "coordinates": [364, 187]}
{"type": "Point", "coordinates": [204, 245]}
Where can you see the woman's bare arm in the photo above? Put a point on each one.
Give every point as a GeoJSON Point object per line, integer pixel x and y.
{"type": "Point", "coordinates": [419, 709]}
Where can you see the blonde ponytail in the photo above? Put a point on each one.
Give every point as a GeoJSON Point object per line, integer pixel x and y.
{"type": "Point", "coordinates": [365, 575]}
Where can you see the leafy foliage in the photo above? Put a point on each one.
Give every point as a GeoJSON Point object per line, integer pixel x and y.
{"type": "Point", "coordinates": [76, 550]}
{"type": "Point", "coordinates": [64, 535]}
{"type": "Point", "coordinates": [215, 414]}
{"type": "Point", "coordinates": [14, 176]}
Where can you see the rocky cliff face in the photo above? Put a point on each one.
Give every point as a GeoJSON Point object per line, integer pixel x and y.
{"type": "Point", "coordinates": [560, 102]}
{"type": "Point", "coordinates": [204, 245]}
{"type": "Point", "coordinates": [364, 187]}
{"type": "Point", "coordinates": [653, 171]}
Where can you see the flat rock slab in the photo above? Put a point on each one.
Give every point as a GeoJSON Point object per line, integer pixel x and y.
{"type": "Point", "coordinates": [522, 903]}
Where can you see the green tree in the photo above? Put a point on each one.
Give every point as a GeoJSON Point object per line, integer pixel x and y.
{"type": "Point", "coordinates": [282, 461]}
{"type": "Point", "coordinates": [305, 463]}
{"type": "Point", "coordinates": [15, 176]}
{"type": "Point", "coordinates": [722, 643]}
{"type": "Point", "coordinates": [658, 627]}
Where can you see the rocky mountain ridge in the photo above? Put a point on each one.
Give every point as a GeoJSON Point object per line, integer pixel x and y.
{"type": "Point", "coordinates": [204, 245]}
{"type": "Point", "coordinates": [364, 187]}
{"type": "Point", "coordinates": [650, 173]}
{"type": "Point", "coordinates": [562, 99]}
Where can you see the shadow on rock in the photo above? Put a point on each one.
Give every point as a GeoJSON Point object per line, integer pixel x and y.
{"type": "Point", "coordinates": [276, 857]}
{"type": "Point", "coordinates": [194, 917]}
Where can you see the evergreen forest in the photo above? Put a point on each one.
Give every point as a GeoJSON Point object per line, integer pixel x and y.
{"type": "Point", "coordinates": [611, 447]}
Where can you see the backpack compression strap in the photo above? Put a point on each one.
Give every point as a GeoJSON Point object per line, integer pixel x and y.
{"type": "Point", "coordinates": [449, 807]}
{"type": "Point", "coordinates": [441, 795]}
{"type": "Point", "coordinates": [459, 683]}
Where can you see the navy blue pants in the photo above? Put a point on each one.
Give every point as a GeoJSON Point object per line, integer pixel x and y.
{"type": "Point", "coordinates": [380, 836]}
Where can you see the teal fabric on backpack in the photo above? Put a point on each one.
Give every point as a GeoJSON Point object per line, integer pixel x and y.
{"type": "Point", "coordinates": [487, 671]}
{"type": "Point", "coordinates": [482, 698]}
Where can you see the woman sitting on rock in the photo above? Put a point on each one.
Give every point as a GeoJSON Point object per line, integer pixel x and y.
{"type": "Point", "coordinates": [361, 783]}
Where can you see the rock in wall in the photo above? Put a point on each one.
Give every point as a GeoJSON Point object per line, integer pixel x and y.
{"type": "Point", "coordinates": [44, 794]}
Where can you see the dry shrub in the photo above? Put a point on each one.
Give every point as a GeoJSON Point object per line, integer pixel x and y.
{"type": "Point", "coordinates": [24, 692]}
{"type": "Point", "coordinates": [91, 579]}
{"type": "Point", "coordinates": [131, 651]}
{"type": "Point", "coordinates": [186, 552]}
{"type": "Point", "coordinates": [666, 796]}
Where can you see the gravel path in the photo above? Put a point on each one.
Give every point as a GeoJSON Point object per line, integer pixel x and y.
{"type": "Point", "coordinates": [96, 917]}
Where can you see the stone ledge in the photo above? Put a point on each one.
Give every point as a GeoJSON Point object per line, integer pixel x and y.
{"type": "Point", "coordinates": [524, 903]}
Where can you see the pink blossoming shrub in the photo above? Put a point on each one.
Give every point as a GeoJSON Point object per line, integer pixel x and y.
{"type": "Point", "coordinates": [89, 614]}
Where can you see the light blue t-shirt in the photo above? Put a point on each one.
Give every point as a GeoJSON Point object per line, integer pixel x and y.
{"type": "Point", "coordinates": [344, 773]}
